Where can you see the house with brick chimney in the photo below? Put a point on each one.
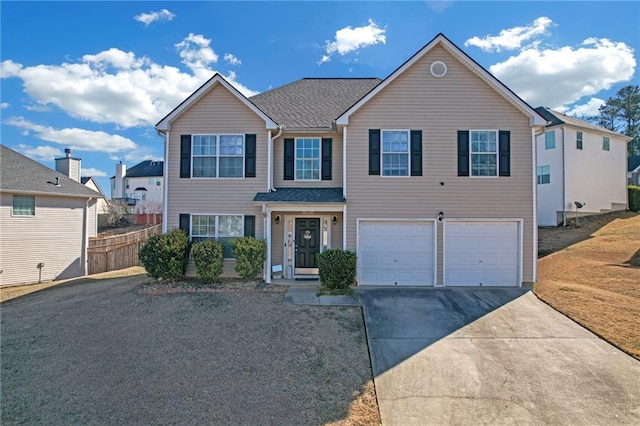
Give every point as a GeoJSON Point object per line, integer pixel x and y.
{"type": "Point", "coordinates": [72, 168]}
{"type": "Point", "coordinates": [141, 187]}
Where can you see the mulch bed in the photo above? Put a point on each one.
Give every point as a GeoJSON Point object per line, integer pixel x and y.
{"type": "Point", "coordinates": [187, 285]}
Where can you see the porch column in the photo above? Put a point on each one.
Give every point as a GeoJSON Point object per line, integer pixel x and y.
{"type": "Point", "coordinates": [267, 233]}
{"type": "Point", "coordinates": [344, 227]}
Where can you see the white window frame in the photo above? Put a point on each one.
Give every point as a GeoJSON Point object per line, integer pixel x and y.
{"type": "Point", "coordinates": [217, 155]}
{"type": "Point", "coordinates": [579, 140]}
{"type": "Point", "coordinates": [295, 159]}
{"type": "Point", "coordinates": [13, 205]}
{"type": "Point", "coordinates": [382, 152]}
{"type": "Point", "coordinates": [606, 143]}
{"type": "Point", "coordinates": [216, 227]}
{"type": "Point", "coordinates": [540, 173]}
{"type": "Point", "coordinates": [472, 153]}
{"type": "Point", "coordinates": [546, 144]}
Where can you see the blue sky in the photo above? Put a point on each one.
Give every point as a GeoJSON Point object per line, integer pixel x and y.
{"type": "Point", "coordinates": [96, 76]}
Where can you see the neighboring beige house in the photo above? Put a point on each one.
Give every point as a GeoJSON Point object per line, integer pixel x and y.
{"type": "Point", "coordinates": [141, 186]}
{"type": "Point", "coordinates": [581, 169]}
{"type": "Point", "coordinates": [46, 220]}
{"type": "Point", "coordinates": [428, 175]}
{"type": "Point", "coordinates": [72, 168]}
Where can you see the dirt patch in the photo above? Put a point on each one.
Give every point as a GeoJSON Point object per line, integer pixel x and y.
{"type": "Point", "coordinates": [593, 275]}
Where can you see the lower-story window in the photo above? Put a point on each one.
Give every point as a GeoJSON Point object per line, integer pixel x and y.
{"type": "Point", "coordinates": [544, 174]}
{"type": "Point", "coordinates": [223, 228]}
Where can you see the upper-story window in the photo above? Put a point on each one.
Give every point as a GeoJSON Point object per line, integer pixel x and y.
{"type": "Point", "coordinates": [484, 152]}
{"type": "Point", "coordinates": [24, 205]}
{"type": "Point", "coordinates": [550, 139]}
{"type": "Point", "coordinates": [544, 174]}
{"type": "Point", "coordinates": [307, 158]}
{"type": "Point", "coordinates": [605, 144]}
{"type": "Point", "coordinates": [395, 152]}
{"type": "Point", "coordinates": [578, 140]}
{"type": "Point", "coordinates": [218, 156]}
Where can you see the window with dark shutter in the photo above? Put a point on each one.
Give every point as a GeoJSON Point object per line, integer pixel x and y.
{"type": "Point", "coordinates": [504, 153]}
{"type": "Point", "coordinates": [326, 158]}
{"type": "Point", "coordinates": [416, 153]}
{"type": "Point", "coordinates": [185, 156]}
{"type": "Point", "coordinates": [289, 158]}
{"type": "Point", "coordinates": [249, 226]}
{"type": "Point", "coordinates": [463, 153]}
{"type": "Point", "coordinates": [185, 223]}
{"type": "Point", "coordinates": [250, 156]}
{"type": "Point", "coordinates": [374, 151]}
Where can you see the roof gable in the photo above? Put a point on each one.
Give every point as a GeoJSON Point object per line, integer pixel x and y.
{"type": "Point", "coordinates": [633, 163]}
{"type": "Point", "coordinates": [556, 118]}
{"type": "Point", "coordinates": [24, 175]}
{"type": "Point", "coordinates": [165, 124]}
{"type": "Point", "coordinates": [534, 118]}
{"type": "Point", "coordinates": [147, 168]}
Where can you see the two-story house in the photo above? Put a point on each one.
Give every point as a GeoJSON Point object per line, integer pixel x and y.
{"type": "Point", "coordinates": [581, 169]}
{"type": "Point", "coordinates": [428, 175]}
{"type": "Point", "coordinates": [141, 186]}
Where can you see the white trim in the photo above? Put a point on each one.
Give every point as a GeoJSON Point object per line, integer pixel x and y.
{"type": "Point", "coordinates": [471, 153]}
{"type": "Point", "coordinates": [269, 154]}
{"type": "Point", "coordinates": [217, 227]}
{"type": "Point", "coordinates": [520, 223]}
{"type": "Point", "coordinates": [217, 156]}
{"type": "Point", "coordinates": [266, 215]}
{"type": "Point", "coordinates": [434, 223]}
{"type": "Point", "coordinates": [344, 227]}
{"type": "Point", "coordinates": [165, 173]}
{"type": "Point", "coordinates": [534, 117]}
{"type": "Point", "coordinates": [308, 208]}
{"type": "Point", "coordinates": [408, 132]}
{"type": "Point", "coordinates": [293, 217]}
{"type": "Point", "coordinates": [433, 64]}
{"type": "Point", "coordinates": [344, 162]}
{"type": "Point", "coordinates": [295, 159]}
{"type": "Point", "coordinates": [534, 157]}
{"type": "Point", "coordinates": [165, 123]}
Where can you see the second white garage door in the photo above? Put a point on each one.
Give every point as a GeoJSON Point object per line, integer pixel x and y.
{"type": "Point", "coordinates": [395, 253]}
{"type": "Point", "coordinates": [479, 253]}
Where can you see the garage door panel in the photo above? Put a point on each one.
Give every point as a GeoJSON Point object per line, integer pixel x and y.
{"type": "Point", "coordinates": [395, 253]}
{"type": "Point", "coordinates": [481, 253]}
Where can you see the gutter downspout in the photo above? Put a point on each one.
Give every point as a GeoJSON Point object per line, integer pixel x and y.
{"type": "Point", "coordinates": [270, 187]}
{"type": "Point", "coordinates": [85, 249]}
{"type": "Point", "coordinates": [564, 188]}
{"type": "Point", "coordinates": [344, 162]}
{"type": "Point", "coordinates": [165, 178]}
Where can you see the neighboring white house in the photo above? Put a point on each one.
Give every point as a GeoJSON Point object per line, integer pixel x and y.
{"type": "Point", "coordinates": [72, 168]}
{"type": "Point", "coordinates": [633, 170]}
{"type": "Point", "coordinates": [141, 186]}
{"type": "Point", "coordinates": [578, 164]}
{"type": "Point", "coordinates": [46, 220]}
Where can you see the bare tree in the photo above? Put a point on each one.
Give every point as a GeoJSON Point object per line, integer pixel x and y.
{"type": "Point", "coordinates": [115, 211]}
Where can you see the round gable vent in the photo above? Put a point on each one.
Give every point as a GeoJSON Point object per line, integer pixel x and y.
{"type": "Point", "coordinates": [438, 69]}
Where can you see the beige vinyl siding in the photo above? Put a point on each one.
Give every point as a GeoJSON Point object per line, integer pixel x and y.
{"type": "Point", "coordinates": [93, 217]}
{"type": "Point", "coordinates": [55, 236]}
{"type": "Point", "coordinates": [217, 112]}
{"type": "Point", "coordinates": [336, 162]}
{"type": "Point", "coordinates": [440, 107]}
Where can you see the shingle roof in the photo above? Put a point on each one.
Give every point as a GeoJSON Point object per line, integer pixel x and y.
{"type": "Point", "coordinates": [301, 195]}
{"type": "Point", "coordinates": [22, 174]}
{"type": "Point", "coordinates": [146, 168]}
{"type": "Point", "coordinates": [313, 102]}
{"type": "Point", "coordinates": [556, 118]}
{"type": "Point", "coordinates": [633, 163]}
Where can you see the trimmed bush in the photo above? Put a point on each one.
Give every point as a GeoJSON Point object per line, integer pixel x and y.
{"type": "Point", "coordinates": [337, 268]}
{"type": "Point", "coordinates": [250, 255]}
{"type": "Point", "coordinates": [207, 257]}
{"type": "Point", "coordinates": [165, 256]}
{"type": "Point", "coordinates": [634, 198]}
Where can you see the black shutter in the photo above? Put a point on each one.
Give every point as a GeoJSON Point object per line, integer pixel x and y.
{"type": "Point", "coordinates": [463, 153]}
{"type": "Point", "coordinates": [416, 153]}
{"type": "Point", "coordinates": [185, 223]}
{"type": "Point", "coordinates": [185, 156]}
{"type": "Point", "coordinates": [504, 152]}
{"type": "Point", "coordinates": [374, 151]}
{"type": "Point", "coordinates": [249, 226]}
{"type": "Point", "coordinates": [326, 158]}
{"type": "Point", "coordinates": [288, 159]}
{"type": "Point", "coordinates": [250, 156]}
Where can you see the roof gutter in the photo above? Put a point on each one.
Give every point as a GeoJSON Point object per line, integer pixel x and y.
{"type": "Point", "coordinates": [54, 194]}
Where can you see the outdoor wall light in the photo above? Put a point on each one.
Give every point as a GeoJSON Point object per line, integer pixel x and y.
{"type": "Point", "coordinates": [334, 220]}
{"type": "Point", "coordinates": [278, 219]}
{"type": "Point", "coordinates": [440, 216]}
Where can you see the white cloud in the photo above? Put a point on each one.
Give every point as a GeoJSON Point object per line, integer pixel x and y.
{"type": "Point", "coordinates": [37, 107]}
{"type": "Point", "coordinates": [119, 87]}
{"type": "Point", "coordinates": [555, 77]}
{"type": "Point", "coordinates": [511, 38]}
{"type": "Point", "coordinates": [231, 59]}
{"type": "Point", "coordinates": [439, 6]}
{"type": "Point", "coordinates": [40, 153]}
{"type": "Point", "coordinates": [80, 139]}
{"type": "Point", "coordinates": [590, 108]}
{"type": "Point", "coordinates": [351, 39]}
{"type": "Point", "coordinates": [148, 18]}
{"type": "Point", "coordinates": [4, 105]}
{"type": "Point", "coordinates": [90, 171]}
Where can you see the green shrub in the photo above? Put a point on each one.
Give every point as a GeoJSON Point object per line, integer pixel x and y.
{"type": "Point", "coordinates": [250, 255]}
{"type": "Point", "coordinates": [207, 257]}
{"type": "Point", "coordinates": [165, 256]}
{"type": "Point", "coordinates": [634, 198]}
{"type": "Point", "coordinates": [337, 268]}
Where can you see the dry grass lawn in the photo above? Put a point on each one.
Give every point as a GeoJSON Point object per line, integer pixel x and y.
{"type": "Point", "coordinates": [594, 276]}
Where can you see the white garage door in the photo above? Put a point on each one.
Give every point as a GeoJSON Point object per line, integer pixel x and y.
{"type": "Point", "coordinates": [481, 253]}
{"type": "Point", "coordinates": [395, 253]}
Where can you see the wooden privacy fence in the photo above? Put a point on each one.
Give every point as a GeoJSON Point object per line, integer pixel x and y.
{"type": "Point", "coordinates": [118, 251]}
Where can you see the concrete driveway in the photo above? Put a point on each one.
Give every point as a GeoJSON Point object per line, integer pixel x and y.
{"type": "Point", "coordinates": [492, 356]}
